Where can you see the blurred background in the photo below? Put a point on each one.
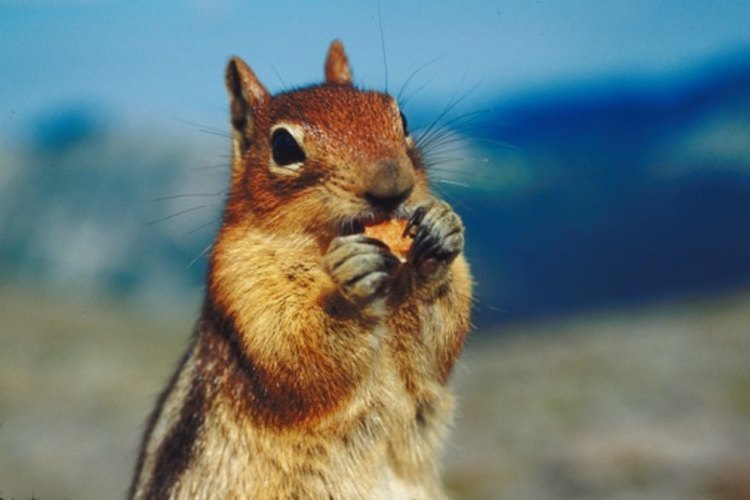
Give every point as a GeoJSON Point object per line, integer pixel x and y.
{"type": "Point", "coordinates": [599, 153]}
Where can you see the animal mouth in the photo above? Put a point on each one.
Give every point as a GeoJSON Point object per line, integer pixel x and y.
{"type": "Point", "coordinates": [396, 230]}
{"type": "Point", "coordinates": [358, 224]}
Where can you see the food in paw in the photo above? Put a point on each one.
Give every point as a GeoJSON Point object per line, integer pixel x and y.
{"type": "Point", "coordinates": [391, 232]}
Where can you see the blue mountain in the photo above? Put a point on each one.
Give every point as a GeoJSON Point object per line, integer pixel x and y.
{"type": "Point", "coordinates": [643, 191]}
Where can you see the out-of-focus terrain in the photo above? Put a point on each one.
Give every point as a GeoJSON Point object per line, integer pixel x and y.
{"type": "Point", "coordinates": [643, 402]}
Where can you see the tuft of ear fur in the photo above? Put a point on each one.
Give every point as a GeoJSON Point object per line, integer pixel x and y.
{"type": "Point", "coordinates": [247, 96]}
{"type": "Point", "coordinates": [337, 65]}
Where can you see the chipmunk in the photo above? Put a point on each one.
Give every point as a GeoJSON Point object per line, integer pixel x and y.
{"type": "Point", "coordinates": [320, 362]}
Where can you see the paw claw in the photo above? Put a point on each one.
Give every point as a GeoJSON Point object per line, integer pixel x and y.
{"type": "Point", "coordinates": [439, 235]}
{"type": "Point", "coordinates": [361, 267]}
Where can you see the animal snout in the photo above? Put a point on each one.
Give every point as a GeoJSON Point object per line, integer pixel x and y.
{"type": "Point", "coordinates": [390, 184]}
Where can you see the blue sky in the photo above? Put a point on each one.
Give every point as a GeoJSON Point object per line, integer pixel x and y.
{"type": "Point", "coordinates": [147, 62]}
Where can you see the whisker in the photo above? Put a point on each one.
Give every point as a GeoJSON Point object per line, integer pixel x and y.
{"type": "Point", "coordinates": [447, 149]}
{"type": "Point", "coordinates": [451, 182]}
{"type": "Point", "coordinates": [403, 102]}
{"type": "Point", "coordinates": [468, 140]}
{"type": "Point", "coordinates": [477, 166]}
{"type": "Point", "coordinates": [472, 179]}
{"type": "Point", "coordinates": [480, 182]}
{"type": "Point", "coordinates": [448, 127]}
{"type": "Point", "coordinates": [464, 121]}
{"type": "Point", "coordinates": [382, 44]}
{"type": "Point", "coordinates": [278, 75]}
{"type": "Point", "coordinates": [457, 161]}
{"type": "Point", "coordinates": [496, 142]}
{"type": "Point", "coordinates": [213, 220]}
{"type": "Point", "coordinates": [466, 116]}
{"type": "Point", "coordinates": [181, 212]}
{"type": "Point", "coordinates": [206, 128]}
{"type": "Point", "coordinates": [452, 155]}
{"type": "Point", "coordinates": [212, 167]}
{"type": "Point", "coordinates": [186, 195]}
{"type": "Point", "coordinates": [225, 135]}
{"type": "Point", "coordinates": [411, 77]}
{"type": "Point", "coordinates": [453, 200]}
{"type": "Point", "coordinates": [200, 255]}
{"type": "Point", "coordinates": [451, 105]}
{"type": "Point", "coordinates": [426, 134]}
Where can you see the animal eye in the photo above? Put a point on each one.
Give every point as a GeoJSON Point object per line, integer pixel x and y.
{"type": "Point", "coordinates": [285, 149]}
{"type": "Point", "coordinates": [404, 123]}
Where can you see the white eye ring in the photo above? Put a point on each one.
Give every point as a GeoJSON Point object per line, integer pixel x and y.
{"type": "Point", "coordinates": [287, 148]}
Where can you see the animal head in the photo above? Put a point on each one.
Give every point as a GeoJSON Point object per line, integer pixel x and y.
{"type": "Point", "coordinates": [325, 159]}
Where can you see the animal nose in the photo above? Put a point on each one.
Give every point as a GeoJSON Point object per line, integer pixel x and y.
{"type": "Point", "coordinates": [390, 184]}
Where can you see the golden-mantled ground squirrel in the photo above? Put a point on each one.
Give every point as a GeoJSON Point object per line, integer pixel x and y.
{"type": "Point", "coordinates": [320, 361]}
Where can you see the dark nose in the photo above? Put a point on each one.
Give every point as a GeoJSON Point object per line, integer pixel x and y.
{"type": "Point", "coordinates": [390, 184]}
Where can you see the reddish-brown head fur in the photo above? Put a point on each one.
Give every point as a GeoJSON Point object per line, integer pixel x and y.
{"type": "Point", "coordinates": [359, 162]}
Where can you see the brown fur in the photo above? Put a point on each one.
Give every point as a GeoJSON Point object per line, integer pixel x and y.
{"type": "Point", "coordinates": [320, 363]}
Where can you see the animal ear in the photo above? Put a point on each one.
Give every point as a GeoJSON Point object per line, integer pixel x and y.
{"type": "Point", "coordinates": [247, 96]}
{"type": "Point", "coordinates": [337, 65]}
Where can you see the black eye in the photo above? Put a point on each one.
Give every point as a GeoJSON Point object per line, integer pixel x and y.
{"type": "Point", "coordinates": [404, 123]}
{"type": "Point", "coordinates": [285, 149]}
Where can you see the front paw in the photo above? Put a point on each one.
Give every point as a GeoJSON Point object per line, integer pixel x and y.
{"type": "Point", "coordinates": [438, 237]}
{"type": "Point", "coordinates": [362, 268]}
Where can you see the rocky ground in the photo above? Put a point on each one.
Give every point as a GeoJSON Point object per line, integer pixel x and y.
{"type": "Point", "coordinates": [650, 402]}
{"type": "Point", "coordinates": [645, 402]}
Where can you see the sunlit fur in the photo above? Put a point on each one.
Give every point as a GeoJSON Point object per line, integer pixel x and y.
{"type": "Point", "coordinates": [288, 390]}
